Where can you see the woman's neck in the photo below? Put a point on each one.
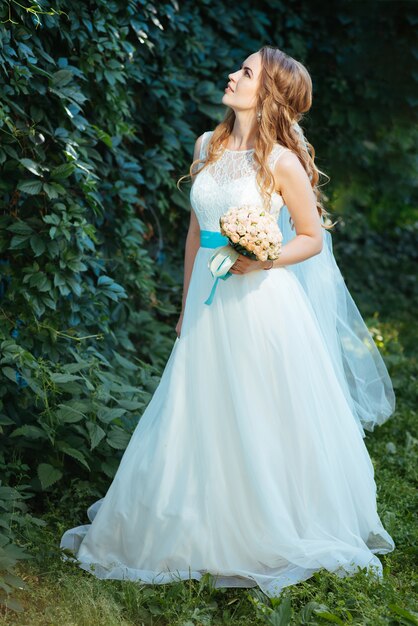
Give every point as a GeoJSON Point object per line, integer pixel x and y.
{"type": "Point", "coordinates": [243, 133]}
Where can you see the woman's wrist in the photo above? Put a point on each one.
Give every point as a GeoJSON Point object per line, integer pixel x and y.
{"type": "Point", "coordinates": [268, 265]}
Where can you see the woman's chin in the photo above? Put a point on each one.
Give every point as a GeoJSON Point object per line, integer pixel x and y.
{"type": "Point", "coordinates": [226, 99]}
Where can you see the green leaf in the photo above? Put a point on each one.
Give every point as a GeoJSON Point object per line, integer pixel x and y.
{"type": "Point", "coordinates": [5, 421]}
{"type": "Point", "coordinates": [10, 373]}
{"type": "Point", "coordinates": [410, 617]}
{"type": "Point", "coordinates": [50, 303]}
{"type": "Point", "coordinates": [20, 228]}
{"type": "Point", "coordinates": [40, 281]}
{"type": "Point", "coordinates": [33, 167]}
{"type": "Point", "coordinates": [110, 77]}
{"type": "Point", "coordinates": [105, 281]}
{"type": "Point", "coordinates": [13, 604]}
{"type": "Point", "coordinates": [105, 137]}
{"type": "Point", "coordinates": [53, 218]}
{"type": "Point", "coordinates": [11, 152]}
{"type": "Point", "coordinates": [50, 191]}
{"type": "Point", "coordinates": [61, 78]}
{"type": "Point", "coordinates": [96, 434]}
{"type": "Point", "coordinates": [10, 553]}
{"type": "Point", "coordinates": [48, 475]}
{"type": "Point", "coordinates": [69, 415]}
{"type": "Point", "coordinates": [118, 438]}
{"type": "Point", "coordinates": [323, 611]}
{"type": "Point", "coordinates": [107, 415]}
{"type": "Point", "coordinates": [15, 581]}
{"type": "Point", "coordinates": [282, 615]}
{"type": "Point", "coordinates": [18, 242]}
{"type": "Point", "coordinates": [58, 188]}
{"type": "Point", "coordinates": [63, 171]}
{"type": "Point", "coordinates": [131, 405]}
{"type": "Point", "coordinates": [37, 245]}
{"type": "Point", "coordinates": [125, 362]}
{"type": "Point", "coordinates": [71, 368]}
{"type": "Point", "coordinates": [32, 187]}
{"type": "Point", "coordinates": [9, 493]}
{"type": "Point", "coordinates": [75, 454]}
{"type": "Point", "coordinates": [110, 467]}
{"type": "Point", "coordinates": [29, 431]}
{"type": "Point", "coordinates": [64, 378]}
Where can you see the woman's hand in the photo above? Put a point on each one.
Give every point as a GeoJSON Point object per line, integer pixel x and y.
{"type": "Point", "coordinates": [244, 264]}
{"type": "Point", "coordinates": [179, 323]}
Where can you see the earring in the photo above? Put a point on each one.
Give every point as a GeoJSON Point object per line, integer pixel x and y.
{"type": "Point", "coordinates": [259, 116]}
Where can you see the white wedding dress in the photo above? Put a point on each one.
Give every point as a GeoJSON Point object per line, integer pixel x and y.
{"type": "Point", "coordinates": [249, 461]}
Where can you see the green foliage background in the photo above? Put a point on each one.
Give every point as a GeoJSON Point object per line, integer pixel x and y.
{"type": "Point", "coordinates": [101, 103]}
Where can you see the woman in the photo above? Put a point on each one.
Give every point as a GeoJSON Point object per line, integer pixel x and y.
{"type": "Point", "coordinates": [249, 461]}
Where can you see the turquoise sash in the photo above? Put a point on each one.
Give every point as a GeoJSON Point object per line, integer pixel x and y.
{"type": "Point", "coordinates": [213, 239]}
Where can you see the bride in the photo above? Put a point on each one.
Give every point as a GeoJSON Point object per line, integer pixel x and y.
{"type": "Point", "coordinates": [249, 462]}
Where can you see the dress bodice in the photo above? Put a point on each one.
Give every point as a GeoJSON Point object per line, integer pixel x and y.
{"type": "Point", "coordinates": [229, 181]}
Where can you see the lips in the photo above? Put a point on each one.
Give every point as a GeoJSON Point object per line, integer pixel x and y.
{"type": "Point", "coordinates": [229, 87]}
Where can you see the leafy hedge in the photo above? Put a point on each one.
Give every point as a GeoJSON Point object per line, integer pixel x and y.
{"type": "Point", "coordinates": [101, 103]}
{"type": "Point", "coordinates": [78, 282]}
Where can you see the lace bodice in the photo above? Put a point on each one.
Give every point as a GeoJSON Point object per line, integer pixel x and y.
{"type": "Point", "coordinates": [230, 181]}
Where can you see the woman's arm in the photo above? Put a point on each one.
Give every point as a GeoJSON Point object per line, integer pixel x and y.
{"type": "Point", "coordinates": [191, 248]}
{"type": "Point", "coordinates": [292, 182]}
{"type": "Point", "coordinates": [192, 240]}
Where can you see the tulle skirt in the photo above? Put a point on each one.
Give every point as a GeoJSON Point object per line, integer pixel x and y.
{"type": "Point", "coordinates": [248, 462]}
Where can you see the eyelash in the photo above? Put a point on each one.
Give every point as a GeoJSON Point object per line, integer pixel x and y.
{"type": "Point", "coordinates": [247, 73]}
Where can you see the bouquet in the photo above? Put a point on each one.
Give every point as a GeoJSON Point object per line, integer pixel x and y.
{"type": "Point", "coordinates": [251, 231]}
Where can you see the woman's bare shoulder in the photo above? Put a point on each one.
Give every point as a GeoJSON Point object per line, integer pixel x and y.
{"type": "Point", "coordinates": [284, 164]}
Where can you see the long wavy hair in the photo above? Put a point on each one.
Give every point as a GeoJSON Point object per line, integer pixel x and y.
{"type": "Point", "coordinates": [284, 95]}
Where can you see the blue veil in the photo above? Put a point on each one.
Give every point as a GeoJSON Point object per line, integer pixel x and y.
{"type": "Point", "coordinates": [357, 361]}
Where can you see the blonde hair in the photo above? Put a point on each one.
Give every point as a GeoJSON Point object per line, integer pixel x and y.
{"type": "Point", "coordinates": [284, 95]}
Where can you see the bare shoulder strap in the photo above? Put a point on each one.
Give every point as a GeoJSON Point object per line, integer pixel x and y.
{"type": "Point", "coordinates": [205, 140]}
{"type": "Point", "coordinates": [276, 153]}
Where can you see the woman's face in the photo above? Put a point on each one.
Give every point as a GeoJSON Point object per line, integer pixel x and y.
{"type": "Point", "coordinates": [241, 92]}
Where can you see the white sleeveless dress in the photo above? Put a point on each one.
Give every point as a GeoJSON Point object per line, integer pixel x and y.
{"type": "Point", "coordinates": [247, 462]}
